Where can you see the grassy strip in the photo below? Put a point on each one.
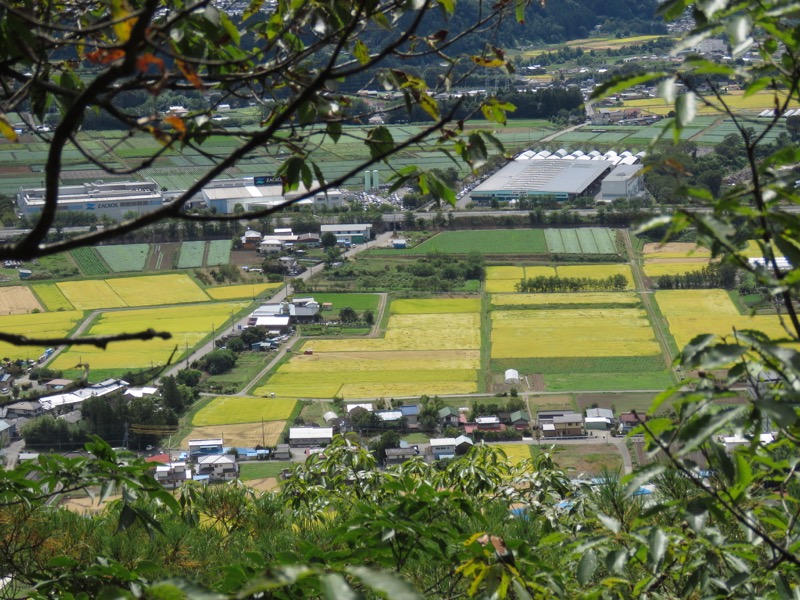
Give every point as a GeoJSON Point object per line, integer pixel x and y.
{"type": "Point", "coordinates": [663, 325]}
{"type": "Point", "coordinates": [262, 469]}
{"type": "Point", "coordinates": [603, 364]}
{"type": "Point", "coordinates": [574, 382]}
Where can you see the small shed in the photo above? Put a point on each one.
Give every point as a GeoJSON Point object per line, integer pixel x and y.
{"type": "Point", "coordinates": [25, 273]}
{"type": "Point", "coordinates": [512, 377]}
{"type": "Point", "coordinates": [399, 244]}
{"type": "Point", "coordinates": [330, 416]}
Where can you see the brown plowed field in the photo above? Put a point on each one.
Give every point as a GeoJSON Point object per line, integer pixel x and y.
{"type": "Point", "coordinates": [163, 257]}
{"type": "Point", "coordinates": [17, 300]}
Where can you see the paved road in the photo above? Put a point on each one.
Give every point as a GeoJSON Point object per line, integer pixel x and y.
{"type": "Point", "coordinates": [280, 296]}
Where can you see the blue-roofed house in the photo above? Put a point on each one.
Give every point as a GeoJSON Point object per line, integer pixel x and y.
{"type": "Point", "coordinates": [411, 413]}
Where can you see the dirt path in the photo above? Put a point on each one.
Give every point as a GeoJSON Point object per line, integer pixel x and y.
{"type": "Point", "coordinates": [647, 298]}
{"type": "Point", "coordinates": [376, 328]}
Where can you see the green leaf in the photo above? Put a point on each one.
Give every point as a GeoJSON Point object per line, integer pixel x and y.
{"type": "Point", "coordinates": [657, 546]}
{"type": "Point", "coordinates": [380, 142]}
{"type": "Point", "coordinates": [519, 11]}
{"type": "Point", "coordinates": [610, 522]}
{"type": "Point", "coordinates": [615, 561]}
{"type": "Point", "coordinates": [334, 587]}
{"type": "Point", "coordinates": [334, 130]}
{"type": "Point", "coordinates": [642, 476]}
{"type": "Point", "coordinates": [252, 9]}
{"type": "Point", "coordinates": [586, 567]}
{"type": "Point", "coordinates": [385, 584]}
{"type": "Point", "coordinates": [685, 109]}
{"type": "Point", "coordinates": [127, 517]}
{"type": "Point", "coordinates": [361, 52]}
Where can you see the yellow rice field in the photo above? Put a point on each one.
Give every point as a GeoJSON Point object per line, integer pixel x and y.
{"type": "Point", "coordinates": [150, 290]}
{"type": "Point", "coordinates": [354, 362]}
{"type": "Point", "coordinates": [505, 279]}
{"type": "Point", "coordinates": [516, 453]}
{"type": "Point", "coordinates": [516, 273]}
{"type": "Point", "coordinates": [572, 333]}
{"type": "Point", "coordinates": [435, 306]}
{"type": "Point", "coordinates": [244, 409]}
{"type": "Point", "coordinates": [424, 351]}
{"type": "Point", "coordinates": [245, 435]}
{"type": "Point", "coordinates": [187, 324]}
{"type": "Point", "coordinates": [410, 388]}
{"type": "Point", "coordinates": [692, 312]}
{"type": "Point", "coordinates": [735, 100]}
{"type": "Point", "coordinates": [597, 272]}
{"type": "Point", "coordinates": [17, 300]}
{"type": "Point", "coordinates": [236, 292]}
{"type": "Point", "coordinates": [153, 290]}
{"type": "Point", "coordinates": [90, 294]}
{"type": "Point", "coordinates": [55, 324]}
{"type": "Point", "coordinates": [51, 297]}
{"type": "Point", "coordinates": [415, 332]}
{"type": "Point", "coordinates": [672, 268]}
{"type": "Point", "coordinates": [576, 298]}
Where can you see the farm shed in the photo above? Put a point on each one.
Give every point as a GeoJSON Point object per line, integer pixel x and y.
{"type": "Point", "coordinates": [627, 421]}
{"type": "Point", "coordinates": [282, 452]}
{"type": "Point", "coordinates": [597, 423]}
{"type": "Point", "coordinates": [399, 244]}
{"type": "Point", "coordinates": [463, 444]}
{"type": "Point", "coordinates": [397, 456]}
{"type": "Point", "coordinates": [389, 416]}
{"type": "Point", "coordinates": [512, 376]}
{"type": "Point", "coordinates": [411, 413]}
{"type": "Point", "coordinates": [489, 423]}
{"type": "Point", "coordinates": [605, 413]}
{"type": "Point", "coordinates": [25, 273]}
{"type": "Point", "coordinates": [443, 448]}
{"type": "Point", "coordinates": [275, 323]}
{"type": "Point", "coordinates": [310, 437]}
{"type": "Point", "coordinates": [329, 417]}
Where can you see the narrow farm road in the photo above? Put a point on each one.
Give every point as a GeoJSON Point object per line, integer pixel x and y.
{"type": "Point", "coordinates": [280, 296]}
{"type": "Point", "coordinates": [647, 298]}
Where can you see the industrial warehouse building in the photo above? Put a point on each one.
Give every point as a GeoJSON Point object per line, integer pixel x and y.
{"type": "Point", "coordinates": [254, 193]}
{"type": "Point", "coordinates": [356, 233]}
{"type": "Point", "coordinates": [558, 175]}
{"type": "Point", "coordinates": [114, 200]}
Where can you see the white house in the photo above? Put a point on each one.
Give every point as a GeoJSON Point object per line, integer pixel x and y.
{"type": "Point", "coordinates": [443, 448]}
{"type": "Point", "coordinates": [218, 466]}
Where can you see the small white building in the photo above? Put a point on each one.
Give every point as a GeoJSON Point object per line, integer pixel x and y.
{"type": "Point", "coordinates": [173, 474]}
{"type": "Point", "coordinates": [310, 437]}
{"type": "Point", "coordinates": [356, 233]}
{"type": "Point", "coordinates": [625, 181]}
{"type": "Point", "coordinates": [512, 377]}
{"type": "Point", "coordinates": [443, 448]}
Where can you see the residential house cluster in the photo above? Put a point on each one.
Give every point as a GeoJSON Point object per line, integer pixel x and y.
{"type": "Point", "coordinates": [279, 318]}
{"type": "Point", "coordinates": [207, 460]}
{"type": "Point", "coordinates": [567, 423]}
{"type": "Point", "coordinates": [65, 405]}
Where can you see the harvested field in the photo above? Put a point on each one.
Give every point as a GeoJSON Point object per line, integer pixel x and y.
{"type": "Point", "coordinates": [675, 250]}
{"type": "Point", "coordinates": [247, 435]}
{"type": "Point", "coordinates": [17, 299]}
{"type": "Point", "coordinates": [587, 459]}
{"type": "Point", "coordinates": [551, 401]}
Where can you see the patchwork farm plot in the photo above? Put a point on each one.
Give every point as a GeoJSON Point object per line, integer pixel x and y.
{"type": "Point", "coordinates": [191, 256]}
{"type": "Point", "coordinates": [188, 325]}
{"type": "Point", "coordinates": [430, 347]}
{"type": "Point", "coordinates": [575, 345]}
{"type": "Point", "coordinates": [247, 435]}
{"type": "Point", "coordinates": [690, 312]}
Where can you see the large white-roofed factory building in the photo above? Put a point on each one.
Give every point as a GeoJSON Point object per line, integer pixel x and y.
{"type": "Point", "coordinates": [558, 175]}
